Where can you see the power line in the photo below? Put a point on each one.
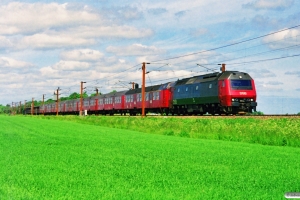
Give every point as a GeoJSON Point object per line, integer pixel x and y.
{"type": "Point", "coordinates": [270, 59]}
{"type": "Point", "coordinates": [228, 45]}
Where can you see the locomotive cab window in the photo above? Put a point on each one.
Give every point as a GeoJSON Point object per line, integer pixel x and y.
{"type": "Point", "coordinates": [241, 84]}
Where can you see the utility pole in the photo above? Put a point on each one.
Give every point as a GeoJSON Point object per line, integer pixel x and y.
{"type": "Point", "coordinates": [57, 98]}
{"type": "Point", "coordinates": [81, 97]}
{"type": "Point", "coordinates": [11, 108]}
{"type": "Point", "coordinates": [20, 107]}
{"type": "Point", "coordinates": [97, 91]}
{"type": "Point", "coordinates": [132, 85]}
{"type": "Point", "coordinates": [143, 87]}
{"type": "Point", "coordinates": [32, 106]}
{"type": "Point", "coordinates": [43, 104]}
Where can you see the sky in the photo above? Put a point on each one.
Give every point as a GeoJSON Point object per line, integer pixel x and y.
{"type": "Point", "coordinates": [48, 44]}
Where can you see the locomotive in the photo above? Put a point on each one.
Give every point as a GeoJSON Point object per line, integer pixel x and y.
{"type": "Point", "coordinates": [225, 92]}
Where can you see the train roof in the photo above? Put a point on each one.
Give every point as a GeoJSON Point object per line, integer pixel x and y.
{"type": "Point", "coordinates": [147, 89]}
{"type": "Point", "coordinates": [108, 95]}
{"type": "Point", "coordinates": [212, 77]}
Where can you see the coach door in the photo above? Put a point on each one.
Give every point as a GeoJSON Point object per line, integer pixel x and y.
{"type": "Point", "coordinates": [150, 99]}
{"type": "Point", "coordinates": [222, 90]}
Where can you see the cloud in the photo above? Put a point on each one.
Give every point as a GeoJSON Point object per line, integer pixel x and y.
{"type": "Point", "coordinates": [282, 39]}
{"type": "Point", "coordinates": [180, 13]}
{"type": "Point", "coordinates": [298, 89]}
{"type": "Point", "coordinates": [5, 43]}
{"type": "Point", "coordinates": [274, 83]}
{"type": "Point", "coordinates": [78, 36]}
{"type": "Point", "coordinates": [6, 62]}
{"type": "Point", "coordinates": [157, 11]}
{"type": "Point", "coordinates": [134, 50]}
{"type": "Point", "coordinates": [54, 26]}
{"type": "Point", "coordinates": [199, 32]}
{"type": "Point", "coordinates": [71, 66]}
{"type": "Point", "coordinates": [129, 13]}
{"type": "Point", "coordinates": [261, 73]}
{"type": "Point", "coordinates": [263, 22]}
{"type": "Point", "coordinates": [294, 73]}
{"type": "Point", "coordinates": [26, 18]}
{"type": "Point", "coordinates": [82, 55]}
{"type": "Point", "coordinates": [269, 4]}
{"type": "Point", "coordinates": [52, 40]}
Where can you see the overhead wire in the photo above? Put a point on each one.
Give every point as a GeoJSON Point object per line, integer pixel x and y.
{"type": "Point", "coordinates": [224, 46]}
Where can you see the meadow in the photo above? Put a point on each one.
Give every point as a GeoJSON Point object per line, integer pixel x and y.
{"type": "Point", "coordinates": [264, 130]}
{"type": "Point", "coordinates": [43, 158]}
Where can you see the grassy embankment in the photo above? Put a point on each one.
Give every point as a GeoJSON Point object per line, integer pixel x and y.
{"type": "Point", "coordinates": [50, 159]}
{"type": "Point", "coordinates": [267, 131]}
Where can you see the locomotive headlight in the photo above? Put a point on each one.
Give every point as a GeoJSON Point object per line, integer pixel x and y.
{"type": "Point", "coordinates": [232, 99]}
{"type": "Point", "coordinates": [251, 99]}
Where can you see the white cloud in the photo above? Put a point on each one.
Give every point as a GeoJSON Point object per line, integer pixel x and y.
{"type": "Point", "coordinates": [129, 13]}
{"type": "Point", "coordinates": [46, 41]}
{"type": "Point", "coordinates": [82, 55]}
{"type": "Point", "coordinates": [53, 25]}
{"type": "Point", "coordinates": [113, 31]}
{"type": "Point", "coordinates": [270, 4]}
{"type": "Point", "coordinates": [79, 36]}
{"type": "Point", "coordinates": [71, 66]}
{"type": "Point", "coordinates": [283, 39]}
{"type": "Point", "coordinates": [199, 32]}
{"type": "Point", "coordinates": [5, 42]}
{"type": "Point", "coordinates": [20, 18]}
{"type": "Point", "coordinates": [11, 63]}
{"type": "Point", "coordinates": [134, 50]}
{"type": "Point", "coordinates": [157, 11]}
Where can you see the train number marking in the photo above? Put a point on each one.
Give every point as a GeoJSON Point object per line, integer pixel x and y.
{"type": "Point", "coordinates": [243, 93]}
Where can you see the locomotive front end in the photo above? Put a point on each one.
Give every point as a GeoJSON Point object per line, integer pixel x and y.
{"type": "Point", "coordinates": [237, 93]}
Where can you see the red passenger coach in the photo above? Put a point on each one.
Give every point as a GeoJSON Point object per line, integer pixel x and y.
{"type": "Point", "coordinates": [157, 99]}
{"type": "Point", "coordinates": [112, 103]}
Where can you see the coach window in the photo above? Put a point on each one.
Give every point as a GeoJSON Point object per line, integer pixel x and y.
{"type": "Point", "coordinates": [178, 90]}
{"type": "Point", "coordinates": [157, 97]}
{"type": "Point", "coordinates": [187, 89]}
{"type": "Point", "coordinates": [223, 83]}
{"type": "Point", "coordinates": [210, 85]}
{"type": "Point", "coordinates": [197, 87]}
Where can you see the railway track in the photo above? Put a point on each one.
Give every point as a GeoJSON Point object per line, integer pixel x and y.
{"type": "Point", "coordinates": [230, 116]}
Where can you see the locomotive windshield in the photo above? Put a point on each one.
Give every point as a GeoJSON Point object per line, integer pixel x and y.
{"type": "Point", "coordinates": [241, 84]}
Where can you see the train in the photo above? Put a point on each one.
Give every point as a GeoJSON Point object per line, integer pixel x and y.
{"type": "Point", "coordinates": [217, 93]}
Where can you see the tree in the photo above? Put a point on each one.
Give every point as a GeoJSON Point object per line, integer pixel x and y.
{"type": "Point", "coordinates": [74, 95]}
{"type": "Point", "coordinates": [4, 109]}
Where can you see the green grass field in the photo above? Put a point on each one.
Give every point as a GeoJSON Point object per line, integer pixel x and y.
{"type": "Point", "coordinates": [266, 131]}
{"type": "Point", "coordinates": [42, 158]}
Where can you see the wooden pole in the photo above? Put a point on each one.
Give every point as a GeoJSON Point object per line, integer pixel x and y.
{"type": "Point", "coordinates": [32, 106]}
{"type": "Point", "coordinates": [143, 88]}
{"type": "Point", "coordinates": [81, 98]}
{"type": "Point", "coordinates": [57, 99]}
{"type": "Point", "coordinates": [43, 104]}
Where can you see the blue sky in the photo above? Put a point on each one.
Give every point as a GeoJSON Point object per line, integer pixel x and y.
{"type": "Point", "coordinates": [49, 44]}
